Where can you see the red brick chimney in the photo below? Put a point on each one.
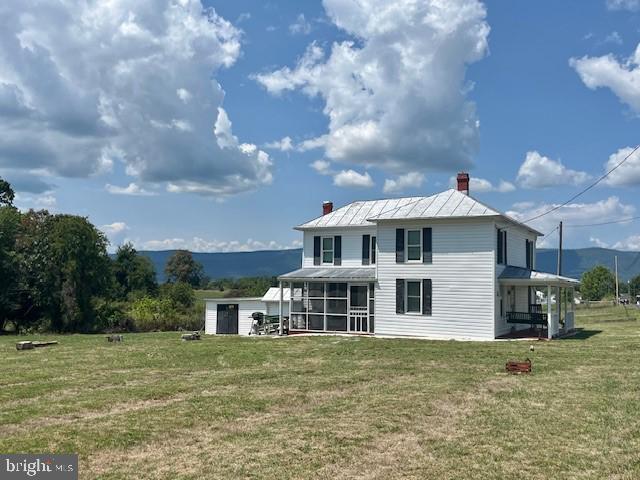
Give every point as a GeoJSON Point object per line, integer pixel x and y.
{"type": "Point", "coordinates": [463, 182]}
{"type": "Point", "coordinates": [327, 207]}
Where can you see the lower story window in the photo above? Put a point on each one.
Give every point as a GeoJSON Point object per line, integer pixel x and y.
{"type": "Point", "coordinates": [414, 296]}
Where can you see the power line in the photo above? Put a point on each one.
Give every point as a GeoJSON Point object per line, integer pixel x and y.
{"type": "Point", "coordinates": [621, 220]}
{"type": "Point", "coordinates": [582, 192]}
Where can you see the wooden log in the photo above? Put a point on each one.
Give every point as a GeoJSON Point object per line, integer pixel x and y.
{"type": "Point", "coordinates": [25, 346]}
{"type": "Point", "coordinates": [44, 344]}
{"type": "Point", "coordinates": [191, 336]}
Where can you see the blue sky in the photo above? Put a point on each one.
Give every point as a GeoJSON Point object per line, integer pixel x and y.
{"type": "Point", "coordinates": [220, 126]}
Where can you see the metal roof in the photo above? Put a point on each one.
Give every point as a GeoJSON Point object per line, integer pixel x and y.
{"type": "Point", "coordinates": [533, 277]}
{"type": "Point", "coordinates": [448, 204]}
{"type": "Point", "coordinates": [332, 273]}
{"type": "Point", "coordinates": [273, 295]}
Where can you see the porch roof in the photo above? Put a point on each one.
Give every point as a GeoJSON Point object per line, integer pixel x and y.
{"type": "Point", "coordinates": [332, 273]}
{"type": "Point", "coordinates": [523, 276]}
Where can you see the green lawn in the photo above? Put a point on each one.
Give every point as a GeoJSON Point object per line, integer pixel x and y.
{"type": "Point", "coordinates": [205, 294]}
{"type": "Point", "coordinates": [330, 407]}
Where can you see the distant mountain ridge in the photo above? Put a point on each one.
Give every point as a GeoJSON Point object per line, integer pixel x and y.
{"type": "Point", "coordinates": [277, 262]}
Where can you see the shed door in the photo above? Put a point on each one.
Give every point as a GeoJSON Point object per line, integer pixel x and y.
{"type": "Point", "coordinates": [227, 319]}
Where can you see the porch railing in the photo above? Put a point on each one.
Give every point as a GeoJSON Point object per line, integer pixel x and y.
{"type": "Point", "coordinates": [532, 318]}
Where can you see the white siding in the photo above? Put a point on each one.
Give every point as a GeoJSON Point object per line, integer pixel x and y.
{"type": "Point", "coordinates": [351, 245]}
{"type": "Point", "coordinates": [516, 246]}
{"type": "Point", "coordinates": [245, 309]}
{"type": "Point", "coordinates": [463, 276]}
{"type": "Point", "coordinates": [517, 301]}
{"type": "Point", "coordinates": [273, 308]}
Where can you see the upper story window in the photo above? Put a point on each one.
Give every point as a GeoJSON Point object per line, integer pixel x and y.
{"type": "Point", "coordinates": [530, 247]}
{"type": "Point", "coordinates": [368, 249]}
{"type": "Point", "coordinates": [501, 247]}
{"type": "Point", "coordinates": [414, 245]}
{"type": "Point", "coordinates": [327, 250]}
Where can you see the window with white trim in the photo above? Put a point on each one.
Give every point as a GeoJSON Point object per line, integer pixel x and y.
{"type": "Point", "coordinates": [414, 296]}
{"type": "Point", "coordinates": [327, 250]}
{"type": "Point", "coordinates": [414, 245]}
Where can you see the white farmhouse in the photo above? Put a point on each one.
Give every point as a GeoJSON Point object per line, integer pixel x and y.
{"type": "Point", "coordinates": [443, 266]}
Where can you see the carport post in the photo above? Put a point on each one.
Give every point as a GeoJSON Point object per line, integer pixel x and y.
{"type": "Point", "coordinates": [549, 312]}
{"type": "Point", "coordinates": [280, 309]}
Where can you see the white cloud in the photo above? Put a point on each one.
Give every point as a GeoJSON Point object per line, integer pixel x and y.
{"type": "Point", "coordinates": [482, 185]}
{"type": "Point", "coordinates": [631, 5]}
{"type": "Point", "coordinates": [403, 182]}
{"type": "Point", "coordinates": [197, 244]}
{"type": "Point", "coordinates": [575, 213]}
{"type": "Point", "coordinates": [351, 178]}
{"type": "Point", "coordinates": [284, 145]}
{"type": "Point", "coordinates": [598, 243]}
{"type": "Point", "coordinates": [312, 143]}
{"type": "Point", "coordinates": [538, 171]}
{"type": "Point", "coordinates": [621, 77]}
{"type": "Point", "coordinates": [114, 229]}
{"type": "Point", "coordinates": [323, 167]}
{"type": "Point", "coordinates": [45, 200]}
{"type": "Point", "coordinates": [131, 189]}
{"type": "Point", "coordinates": [395, 93]}
{"type": "Point", "coordinates": [627, 174]}
{"type": "Point", "coordinates": [78, 79]}
{"type": "Point", "coordinates": [301, 26]}
{"type": "Point", "coordinates": [631, 243]}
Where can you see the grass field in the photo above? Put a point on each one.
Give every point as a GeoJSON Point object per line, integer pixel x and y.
{"type": "Point", "coordinates": [330, 407]}
{"type": "Point", "coordinates": [205, 294]}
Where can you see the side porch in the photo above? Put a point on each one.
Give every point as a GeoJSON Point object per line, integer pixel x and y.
{"type": "Point", "coordinates": [329, 300]}
{"type": "Point", "coordinates": [542, 301]}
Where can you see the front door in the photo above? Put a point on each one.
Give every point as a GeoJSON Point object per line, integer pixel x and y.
{"type": "Point", "coordinates": [359, 309]}
{"type": "Point", "coordinates": [227, 319]}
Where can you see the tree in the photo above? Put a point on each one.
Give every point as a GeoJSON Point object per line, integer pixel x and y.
{"type": "Point", "coordinates": [9, 266]}
{"type": "Point", "coordinates": [597, 283]}
{"type": "Point", "coordinates": [133, 273]}
{"type": "Point", "coordinates": [6, 193]}
{"type": "Point", "coordinates": [181, 267]}
{"type": "Point", "coordinates": [634, 287]}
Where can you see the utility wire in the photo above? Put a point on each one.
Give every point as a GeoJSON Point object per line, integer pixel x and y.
{"type": "Point", "coordinates": [622, 220]}
{"type": "Point", "coordinates": [582, 192]}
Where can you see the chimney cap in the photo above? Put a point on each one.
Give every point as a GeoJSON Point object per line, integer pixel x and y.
{"type": "Point", "coordinates": [327, 207]}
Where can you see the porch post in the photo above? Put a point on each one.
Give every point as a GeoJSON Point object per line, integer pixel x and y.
{"type": "Point", "coordinates": [280, 309]}
{"type": "Point", "coordinates": [549, 312]}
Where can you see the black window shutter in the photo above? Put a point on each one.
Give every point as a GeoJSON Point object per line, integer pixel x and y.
{"type": "Point", "coordinates": [337, 250]}
{"type": "Point", "coordinates": [366, 243]}
{"type": "Point", "coordinates": [399, 245]}
{"type": "Point", "coordinates": [499, 247]}
{"type": "Point", "coordinates": [506, 262]}
{"type": "Point", "coordinates": [374, 243]}
{"type": "Point", "coordinates": [399, 295]}
{"type": "Point", "coordinates": [426, 296]}
{"type": "Point", "coordinates": [316, 250]}
{"type": "Point", "coordinates": [528, 253]}
{"type": "Point", "coordinates": [427, 245]}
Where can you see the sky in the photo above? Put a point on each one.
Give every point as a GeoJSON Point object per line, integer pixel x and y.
{"type": "Point", "coordinates": [218, 126]}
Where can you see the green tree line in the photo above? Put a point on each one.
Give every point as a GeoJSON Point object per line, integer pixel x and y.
{"type": "Point", "coordinates": [56, 275]}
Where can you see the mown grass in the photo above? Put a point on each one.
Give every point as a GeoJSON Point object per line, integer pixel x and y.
{"type": "Point", "coordinates": [330, 407]}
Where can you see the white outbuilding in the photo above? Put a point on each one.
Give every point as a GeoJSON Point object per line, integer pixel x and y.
{"type": "Point", "coordinates": [233, 315]}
